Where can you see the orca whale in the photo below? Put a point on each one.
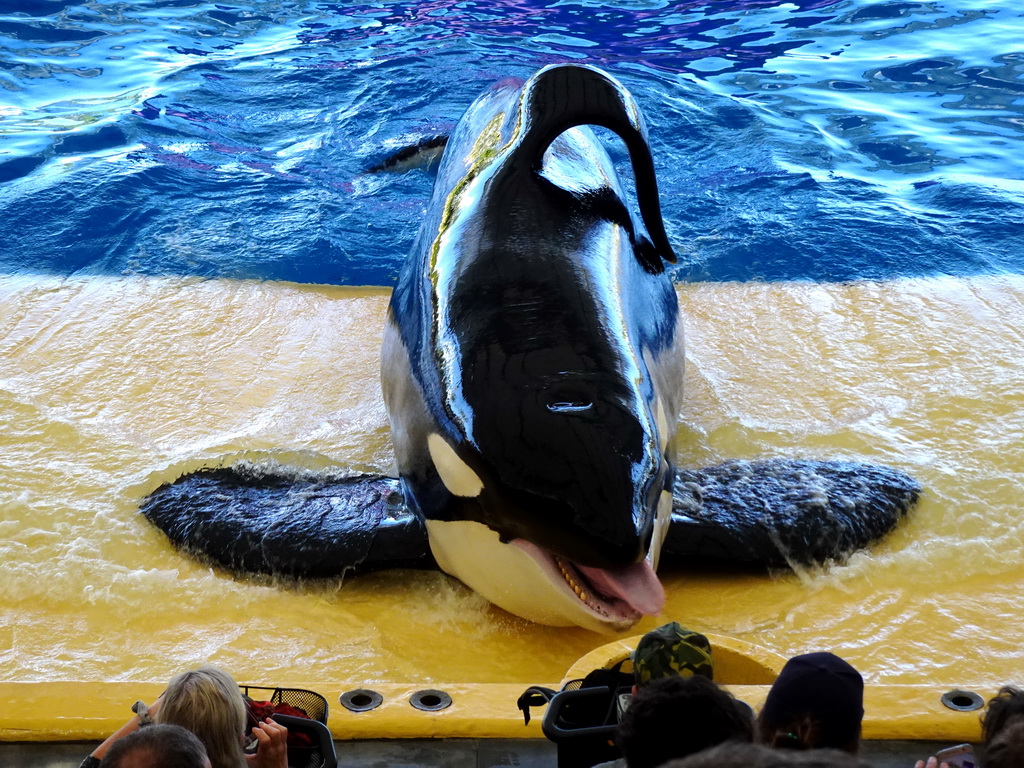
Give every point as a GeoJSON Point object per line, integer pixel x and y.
{"type": "Point", "coordinates": [532, 362]}
{"type": "Point", "coordinates": [532, 370]}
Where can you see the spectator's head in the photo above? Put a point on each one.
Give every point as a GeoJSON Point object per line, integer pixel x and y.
{"type": "Point", "coordinates": [677, 716]}
{"type": "Point", "coordinates": [208, 702]}
{"type": "Point", "coordinates": [817, 702]}
{"type": "Point", "coordinates": [760, 756]}
{"type": "Point", "coordinates": [157, 746]}
{"type": "Point", "coordinates": [671, 650]}
{"type": "Point", "coordinates": [1003, 729]}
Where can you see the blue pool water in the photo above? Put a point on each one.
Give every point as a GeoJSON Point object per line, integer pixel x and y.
{"type": "Point", "coordinates": [815, 139]}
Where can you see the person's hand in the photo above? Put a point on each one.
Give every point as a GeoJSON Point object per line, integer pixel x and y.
{"type": "Point", "coordinates": [931, 763]}
{"type": "Point", "coordinates": [272, 751]}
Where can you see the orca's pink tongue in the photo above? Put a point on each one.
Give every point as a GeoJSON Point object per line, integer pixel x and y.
{"type": "Point", "coordinates": [637, 585]}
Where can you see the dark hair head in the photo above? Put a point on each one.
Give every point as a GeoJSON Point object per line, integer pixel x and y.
{"type": "Point", "coordinates": [816, 702]}
{"type": "Point", "coordinates": [677, 716]}
{"type": "Point", "coordinates": [760, 756]}
{"type": "Point", "coordinates": [1003, 707]}
{"type": "Point", "coordinates": [1003, 729]}
{"type": "Point", "coordinates": [164, 746]}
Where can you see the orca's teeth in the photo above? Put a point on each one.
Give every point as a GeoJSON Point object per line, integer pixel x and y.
{"type": "Point", "coordinates": [594, 600]}
{"type": "Point", "coordinates": [580, 593]}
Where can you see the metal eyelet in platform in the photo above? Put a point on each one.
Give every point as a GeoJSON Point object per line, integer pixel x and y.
{"type": "Point", "coordinates": [361, 700]}
{"type": "Point", "coordinates": [430, 700]}
{"type": "Point", "coordinates": [962, 701]}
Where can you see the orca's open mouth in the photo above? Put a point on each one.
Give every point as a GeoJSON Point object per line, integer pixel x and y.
{"type": "Point", "coordinates": [540, 586]}
{"type": "Point", "coordinates": [617, 596]}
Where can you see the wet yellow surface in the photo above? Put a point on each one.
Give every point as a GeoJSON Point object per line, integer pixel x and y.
{"type": "Point", "coordinates": [109, 387]}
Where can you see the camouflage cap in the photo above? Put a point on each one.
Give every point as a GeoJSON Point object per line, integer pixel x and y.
{"type": "Point", "coordinates": [671, 650]}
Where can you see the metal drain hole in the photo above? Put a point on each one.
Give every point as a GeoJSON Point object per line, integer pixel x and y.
{"type": "Point", "coordinates": [430, 700]}
{"type": "Point", "coordinates": [962, 701]}
{"type": "Point", "coordinates": [361, 700]}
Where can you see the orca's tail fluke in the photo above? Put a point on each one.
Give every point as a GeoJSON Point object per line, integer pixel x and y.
{"type": "Point", "coordinates": [252, 520]}
{"type": "Point", "coordinates": [783, 512]}
{"type": "Point", "coordinates": [563, 96]}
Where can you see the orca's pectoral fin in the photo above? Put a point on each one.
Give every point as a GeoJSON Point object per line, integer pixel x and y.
{"type": "Point", "coordinates": [249, 520]}
{"type": "Point", "coordinates": [783, 512]}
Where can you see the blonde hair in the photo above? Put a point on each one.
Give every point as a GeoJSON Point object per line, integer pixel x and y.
{"type": "Point", "coordinates": [208, 702]}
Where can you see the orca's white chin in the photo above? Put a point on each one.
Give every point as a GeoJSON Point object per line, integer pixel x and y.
{"type": "Point", "coordinates": [537, 585]}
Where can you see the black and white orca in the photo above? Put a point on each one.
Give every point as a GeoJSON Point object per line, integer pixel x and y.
{"type": "Point", "coordinates": [532, 364]}
{"type": "Point", "coordinates": [532, 371]}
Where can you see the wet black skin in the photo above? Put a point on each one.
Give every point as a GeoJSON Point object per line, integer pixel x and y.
{"type": "Point", "coordinates": [550, 297]}
{"type": "Point", "coordinates": [524, 337]}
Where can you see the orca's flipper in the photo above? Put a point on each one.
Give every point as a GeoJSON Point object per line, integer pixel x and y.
{"type": "Point", "coordinates": [783, 512]}
{"type": "Point", "coordinates": [250, 520]}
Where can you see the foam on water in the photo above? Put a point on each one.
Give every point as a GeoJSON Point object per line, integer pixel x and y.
{"type": "Point", "coordinates": [113, 386]}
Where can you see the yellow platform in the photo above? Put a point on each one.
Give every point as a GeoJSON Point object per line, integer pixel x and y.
{"type": "Point", "coordinates": [64, 711]}
{"type": "Point", "coordinates": [109, 387]}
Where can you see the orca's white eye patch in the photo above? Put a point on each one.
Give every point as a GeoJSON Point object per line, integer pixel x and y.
{"type": "Point", "coordinates": [659, 416]}
{"type": "Point", "coordinates": [456, 474]}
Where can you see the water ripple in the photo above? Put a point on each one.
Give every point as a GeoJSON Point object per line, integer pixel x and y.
{"type": "Point", "coordinates": [793, 140]}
